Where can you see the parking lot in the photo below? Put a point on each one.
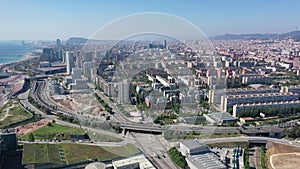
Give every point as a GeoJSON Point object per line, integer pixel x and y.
{"type": "Point", "coordinates": [232, 157]}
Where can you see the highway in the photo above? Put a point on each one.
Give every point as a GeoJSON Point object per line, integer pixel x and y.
{"type": "Point", "coordinates": [124, 122]}
{"type": "Point", "coordinates": [155, 149]}
{"type": "Point", "coordinates": [151, 145]}
{"type": "Point", "coordinates": [41, 95]}
{"type": "Point", "coordinates": [26, 104]}
{"type": "Point", "coordinates": [207, 130]}
{"type": "Point", "coordinates": [246, 139]}
{"type": "Point", "coordinates": [119, 116]}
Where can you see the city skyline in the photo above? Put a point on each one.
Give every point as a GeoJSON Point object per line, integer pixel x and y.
{"type": "Point", "coordinates": [149, 84]}
{"type": "Point", "coordinates": [34, 20]}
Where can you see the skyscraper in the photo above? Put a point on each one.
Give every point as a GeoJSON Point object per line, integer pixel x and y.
{"type": "Point", "coordinates": [58, 44]}
{"type": "Point", "coordinates": [47, 55]}
{"type": "Point", "coordinates": [69, 61]}
{"type": "Point", "coordinates": [123, 92]}
{"type": "Point", "coordinates": [87, 66]}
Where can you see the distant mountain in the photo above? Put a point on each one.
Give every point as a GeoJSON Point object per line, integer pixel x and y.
{"type": "Point", "coordinates": [295, 35]}
{"type": "Point", "coordinates": [76, 41]}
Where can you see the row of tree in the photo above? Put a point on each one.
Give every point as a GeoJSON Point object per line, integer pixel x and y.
{"type": "Point", "coordinates": [67, 118]}
{"type": "Point", "coordinates": [165, 118]}
{"type": "Point", "coordinates": [105, 105]}
{"type": "Point", "coordinates": [269, 112]}
{"type": "Point", "coordinates": [177, 158]}
{"type": "Point", "coordinates": [294, 132]}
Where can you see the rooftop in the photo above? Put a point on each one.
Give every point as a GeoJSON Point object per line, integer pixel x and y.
{"type": "Point", "coordinates": [222, 116]}
{"type": "Point", "coordinates": [261, 95]}
{"type": "Point", "coordinates": [193, 144]}
{"type": "Point", "coordinates": [268, 103]}
{"type": "Point", "coordinates": [247, 118]}
{"type": "Point", "coordinates": [208, 161]}
{"type": "Point", "coordinates": [141, 159]}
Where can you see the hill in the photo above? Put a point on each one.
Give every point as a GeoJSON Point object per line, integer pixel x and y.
{"type": "Point", "coordinates": [76, 41]}
{"type": "Point", "coordinates": [295, 35]}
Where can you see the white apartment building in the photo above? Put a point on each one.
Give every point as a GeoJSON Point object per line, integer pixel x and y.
{"type": "Point", "coordinates": [284, 104]}
{"type": "Point", "coordinates": [230, 100]}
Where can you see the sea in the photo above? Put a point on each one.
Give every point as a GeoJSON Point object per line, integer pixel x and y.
{"type": "Point", "coordinates": [12, 51]}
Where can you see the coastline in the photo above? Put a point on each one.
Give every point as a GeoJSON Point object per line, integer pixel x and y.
{"type": "Point", "coordinates": [28, 56]}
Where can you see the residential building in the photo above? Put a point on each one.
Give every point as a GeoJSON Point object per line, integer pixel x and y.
{"type": "Point", "coordinates": [230, 100]}
{"type": "Point", "coordinates": [278, 105]}
{"type": "Point", "coordinates": [255, 79]}
{"type": "Point", "coordinates": [123, 92]}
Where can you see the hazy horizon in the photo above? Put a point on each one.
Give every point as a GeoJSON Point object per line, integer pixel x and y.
{"type": "Point", "coordinates": [47, 20]}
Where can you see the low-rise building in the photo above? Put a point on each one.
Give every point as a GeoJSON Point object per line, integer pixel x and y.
{"type": "Point", "coordinates": [192, 147]}
{"type": "Point", "coordinates": [219, 118]}
{"type": "Point", "coordinates": [244, 120]}
{"type": "Point", "coordinates": [205, 161]}
{"type": "Point", "coordinates": [199, 156]}
{"type": "Point", "coordinates": [140, 162]}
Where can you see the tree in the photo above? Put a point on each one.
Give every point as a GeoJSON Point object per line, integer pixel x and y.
{"type": "Point", "coordinates": [31, 137]}
{"type": "Point", "coordinates": [49, 124]}
{"type": "Point", "coordinates": [177, 158]}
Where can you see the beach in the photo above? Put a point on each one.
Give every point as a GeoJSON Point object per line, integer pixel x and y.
{"type": "Point", "coordinates": [13, 52]}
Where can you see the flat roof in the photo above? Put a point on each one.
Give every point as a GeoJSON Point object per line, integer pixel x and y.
{"type": "Point", "coordinates": [261, 95]}
{"type": "Point", "coordinates": [193, 144]}
{"type": "Point", "coordinates": [268, 103]}
{"type": "Point", "coordinates": [141, 159]}
{"type": "Point", "coordinates": [247, 118]}
{"type": "Point", "coordinates": [222, 116]}
{"type": "Point", "coordinates": [208, 161]}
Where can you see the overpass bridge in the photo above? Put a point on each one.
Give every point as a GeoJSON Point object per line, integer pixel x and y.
{"type": "Point", "coordinates": [267, 131]}
{"type": "Point", "coordinates": [247, 139]}
{"type": "Point", "coordinates": [140, 128]}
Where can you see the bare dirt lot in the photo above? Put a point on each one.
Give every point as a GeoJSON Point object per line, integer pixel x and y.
{"type": "Point", "coordinates": [286, 161]}
{"type": "Point", "coordinates": [283, 156]}
{"type": "Point", "coordinates": [23, 130]}
{"type": "Point", "coordinates": [85, 103]}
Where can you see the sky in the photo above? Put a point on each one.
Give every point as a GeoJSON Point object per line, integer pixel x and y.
{"type": "Point", "coordinates": [52, 19]}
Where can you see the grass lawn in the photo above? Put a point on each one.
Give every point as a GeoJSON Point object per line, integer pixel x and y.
{"type": "Point", "coordinates": [49, 132]}
{"type": "Point", "coordinates": [86, 152]}
{"type": "Point", "coordinates": [103, 138]}
{"type": "Point", "coordinates": [123, 151]}
{"type": "Point", "coordinates": [16, 113]}
{"type": "Point", "coordinates": [81, 152]}
{"type": "Point", "coordinates": [39, 153]}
